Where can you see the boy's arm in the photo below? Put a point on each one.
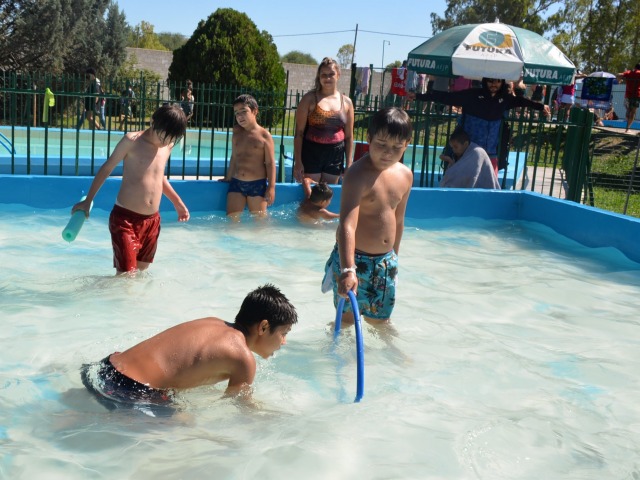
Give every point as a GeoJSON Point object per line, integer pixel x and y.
{"type": "Point", "coordinates": [349, 212]}
{"type": "Point", "coordinates": [301, 123]}
{"type": "Point", "coordinates": [242, 375]}
{"type": "Point", "coordinates": [327, 215]}
{"type": "Point", "coordinates": [178, 204]}
{"type": "Point", "coordinates": [270, 165]}
{"type": "Point", "coordinates": [306, 186]}
{"type": "Point", "coordinates": [103, 173]}
{"type": "Point", "coordinates": [400, 212]}
{"type": "Point", "coordinates": [348, 133]}
{"type": "Point", "coordinates": [230, 170]}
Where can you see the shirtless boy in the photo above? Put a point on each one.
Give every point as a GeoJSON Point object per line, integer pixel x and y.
{"type": "Point", "coordinates": [374, 199]}
{"type": "Point", "coordinates": [252, 168]}
{"type": "Point", "coordinates": [200, 352]}
{"type": "Point", "coordinates": [315, 203]}
{"type": "Point", "coordinates": [135, 222]}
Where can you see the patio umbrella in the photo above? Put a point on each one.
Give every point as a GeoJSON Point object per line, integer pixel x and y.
{"type": "Point", "coordinates": [602, 75]}
{"type": "Point", "coordinates": [494, 50]}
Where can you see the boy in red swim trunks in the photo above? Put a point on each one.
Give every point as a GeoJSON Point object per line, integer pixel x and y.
{"type": "Point", "coordinates": [135, 222]}
{"type": "Point", "coordinates": [252, 169]}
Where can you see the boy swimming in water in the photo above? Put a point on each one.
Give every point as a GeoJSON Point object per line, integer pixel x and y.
{"type": "Point", "coordinates": [317, 199]}
{"type": "Point", "coordinates": [252, 168]}
{"type": "Point", "coordinates": [200, 352]}
{"type": "Point", "coordinates": [134, 222]}
{"type": "Point", "coordinates": [375, 192]}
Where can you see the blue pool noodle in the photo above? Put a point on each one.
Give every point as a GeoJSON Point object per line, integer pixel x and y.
{"type": "Point", "coordinates": [359, 342]}
{"type": "Point", "coordinates": [75, 223]}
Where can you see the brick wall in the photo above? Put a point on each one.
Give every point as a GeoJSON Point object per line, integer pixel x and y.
{"type": "Point", "coordinates": [301, 77]}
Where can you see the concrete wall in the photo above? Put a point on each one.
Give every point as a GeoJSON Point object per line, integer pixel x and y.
{"type": "Point", "coordinates": [301, 77]}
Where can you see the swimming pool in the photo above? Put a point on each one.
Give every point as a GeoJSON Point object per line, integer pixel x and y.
{"type": "Point", "coordinates": [202, 153]}
{"type": "Point", "coordinates": [515, 355]}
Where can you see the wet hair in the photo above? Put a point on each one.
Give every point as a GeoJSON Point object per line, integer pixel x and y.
{"type": "Point", "coordinates": [90, 71]}
{"type": "Point", "coordinates": [459, 136]}
{"type": "Point", "coordinates": [265, 303]}
{"type": "Point", "coordinates": [391, 121]}
{"type": "Point", "coordinates": [248, 100]}
{"type": "Point", "coordinates": [504, 89]}
{"type": "Point", "coordinates": [320, 192]}
{"type": "Point", "coordinates": [326, 62]}
{"type": "Point", "coordinates": [169, 122]}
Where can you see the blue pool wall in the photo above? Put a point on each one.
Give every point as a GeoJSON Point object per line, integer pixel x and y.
{"type": "Point", "coordinates": [589, 226]}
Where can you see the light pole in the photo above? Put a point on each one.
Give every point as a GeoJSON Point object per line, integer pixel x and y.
{"type": "Point", "coordinates": [383, 43]}
{"type": "Point", "coordinates": [383, 68]}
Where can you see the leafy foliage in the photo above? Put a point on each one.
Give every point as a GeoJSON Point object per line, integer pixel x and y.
{"type": "Point", "coordinates": [345, 55]}
{"type": "Point", "coordinates": [228, 49]}
{"type": "Point", "coordinates": [60, 36]}
{"type": "Point", "coordinates": [296, 56]}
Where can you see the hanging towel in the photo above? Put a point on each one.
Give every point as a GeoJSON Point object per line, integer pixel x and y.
{"type": "Point", "coordinates": [398, 81]}
{"type": "Point", "coordinates": [49, 101]}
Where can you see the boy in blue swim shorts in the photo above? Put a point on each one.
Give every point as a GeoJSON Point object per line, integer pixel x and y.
{"type": "Point", "coordinates": [252, 168]}
{"type": "Point", "coordinates": [375, 191]}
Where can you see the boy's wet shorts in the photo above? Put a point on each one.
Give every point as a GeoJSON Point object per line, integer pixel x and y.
{"type": "Point", "coordinates": [134, 238]}
{"type": "Point", "coordinates": [323, 158]}
{"type": "Point", "coordinates": [117, 391]}
{"type": "Point", "coordinates": [254, 188]}
{"type": "Point", "coordinates": [377, 279]}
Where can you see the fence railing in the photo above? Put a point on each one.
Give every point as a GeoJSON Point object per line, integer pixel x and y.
{"type": "Point", "coordinates": [560, 158]}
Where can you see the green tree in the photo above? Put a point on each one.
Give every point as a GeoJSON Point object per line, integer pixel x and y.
{"type": "Point", "coordinates": [172, 41]}
{"type": "Point", "coordinates": [115, 39]}
{"type": "Point", "coordinates": [296, 56]}
{"type": "Point", "coordinates": [143, 36]}
{"type": "Point", "coordinates": [345, 55]}
{"type": "Point", "coordinates": [59, 36]}
{"type": "Point", "coordinates": [228, 49]}
{"type": "Point", "coordinates": [519, 13]}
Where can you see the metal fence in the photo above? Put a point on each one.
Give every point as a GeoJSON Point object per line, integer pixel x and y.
{"type": "Point", "coordinates": [563, 158]}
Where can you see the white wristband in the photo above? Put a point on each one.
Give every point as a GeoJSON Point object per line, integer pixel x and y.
{"type": "Point", "coordinates": [349, 269]}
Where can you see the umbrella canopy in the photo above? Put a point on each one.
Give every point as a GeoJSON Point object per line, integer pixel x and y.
{"type": "Point", "coordinates": [494, 50]}
{"type": "Point", "coordinates": [602, 75]}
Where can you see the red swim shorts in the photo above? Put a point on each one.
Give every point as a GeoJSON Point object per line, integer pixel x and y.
{"type": "Point", "coordinates": [134, 237]}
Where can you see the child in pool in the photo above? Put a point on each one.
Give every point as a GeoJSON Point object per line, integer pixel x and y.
{"type": "Point", "coordinates": [375, 192]}
{"type": "Point", "coordinates": [135, 222]}
{"type": "Point", "coordinates": [317, 199]}
{"type": "Point", "coordinates": [252, 168]}
{"type": "Point", "coordinates": [200, 352]}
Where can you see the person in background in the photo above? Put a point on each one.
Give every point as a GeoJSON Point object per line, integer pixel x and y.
{"type": "Point", "coordinates": [631, 79]}
{"type": "Point", "coordinates": [472, 169]}
{"type": "Point", "coordinates": [483, 111]}
{"type": "Point", "coordinates": [316, 200]}
{"type": "Point", "coordinates": [91, 100]}
{"type": "Point", "coordinates": [323, 142]}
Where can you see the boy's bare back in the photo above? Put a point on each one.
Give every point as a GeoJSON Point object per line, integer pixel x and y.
{"type": "Point", "coordinates": [199, 352]}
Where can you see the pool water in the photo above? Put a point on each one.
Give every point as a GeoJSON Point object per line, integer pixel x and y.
{"type": "Point", "coordinates": [514, 357]}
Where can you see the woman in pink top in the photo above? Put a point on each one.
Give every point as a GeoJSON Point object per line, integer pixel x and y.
{"type": "Point", "coordinates": [324, 129]}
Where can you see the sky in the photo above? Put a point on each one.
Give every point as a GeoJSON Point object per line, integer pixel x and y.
{"type": "Point", "coordinates": [317, 28]}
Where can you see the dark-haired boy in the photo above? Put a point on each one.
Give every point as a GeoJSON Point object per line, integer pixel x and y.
{"type": "Point", "coordinates": [317, 199]}
{"type": "Point", "coordinates": [252, 168]}
{"type": "Point", "coordinates": [200, 352]}
{"type": "Point", "coordinates": [375, 191]}
{"type": "Point", "coordinates": [135, 222]}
